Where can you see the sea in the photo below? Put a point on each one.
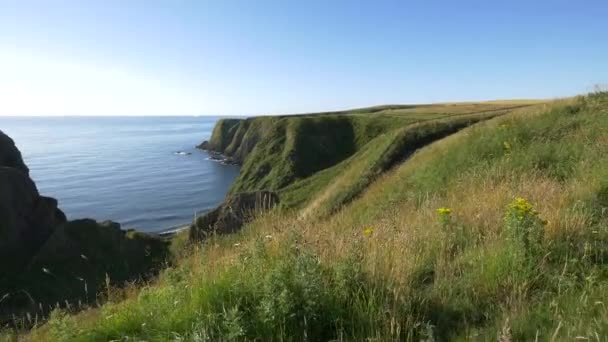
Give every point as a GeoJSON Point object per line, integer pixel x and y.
{"type": "Point", "coordinates": [142, 172]}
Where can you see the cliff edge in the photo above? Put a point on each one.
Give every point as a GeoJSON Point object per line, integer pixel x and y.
{"type": "Point", "coordinates": [46, 259]}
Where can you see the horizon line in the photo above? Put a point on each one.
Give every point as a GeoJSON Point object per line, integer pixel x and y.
{"type": "Point", "coordinates": [348, 109]}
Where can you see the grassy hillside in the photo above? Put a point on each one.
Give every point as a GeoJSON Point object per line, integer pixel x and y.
{"type": "Point", "coordinates": [278, 151]}
{"type": "Point", "coordinates": [496, 232]}
{"type": "Point", "coordinates": [326, 191]}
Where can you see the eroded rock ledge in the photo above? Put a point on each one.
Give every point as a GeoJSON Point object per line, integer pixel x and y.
{"type": "Point", "coordinates": [233, 213]}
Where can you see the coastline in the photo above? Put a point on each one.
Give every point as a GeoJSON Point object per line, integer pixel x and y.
{"type": "Point", "coordinates": [171, 231]}
{"type": "Point", "coordinates": [217, 156]}
{"type": "Point", "coordinates": [213, 156]}
{"type": "Point", "coordinates": [221, 158]}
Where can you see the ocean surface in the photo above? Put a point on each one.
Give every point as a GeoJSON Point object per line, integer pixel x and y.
{"type": "Point", "coordinates": [124, 169]}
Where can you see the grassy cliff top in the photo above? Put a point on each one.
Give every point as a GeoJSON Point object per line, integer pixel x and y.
{"type": "Point", "coordinates": [498, 231]}
{"type": "Point", "coordinates": [278, 151]}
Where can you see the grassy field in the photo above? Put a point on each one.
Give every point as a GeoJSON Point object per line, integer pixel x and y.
{"type": "Point", "coordinates": [496, 232]}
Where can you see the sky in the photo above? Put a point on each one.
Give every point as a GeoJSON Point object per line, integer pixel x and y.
{"type": "Point", "coordinates": [225, 57]}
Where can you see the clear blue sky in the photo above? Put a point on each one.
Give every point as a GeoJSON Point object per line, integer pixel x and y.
{"type": "Point", "coordinates": [265, 57]}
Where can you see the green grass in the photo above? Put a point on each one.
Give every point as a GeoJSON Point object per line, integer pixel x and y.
{"type": "Point", "coordinates": [331, 188]}
{"type": "Point", "coordinates": [297, 147]}
{"type": "Point", "coordinates": [277, 152]}
{"type": "Point", "coordinates": [387, 266]}
{"type": "Point", "coordinates": [223, 133]}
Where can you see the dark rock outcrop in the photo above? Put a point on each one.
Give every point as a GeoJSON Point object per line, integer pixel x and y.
{"type": "Point", "coordinates": [75, 264]}
{"type": "Point", "coordinates": [26, 218]}
{"type": "Point", "coordinates": [44, 259]}
{"type": "Point", "coordinates": [10, 155]}
{"type": "Point", "coordinates": [88, 251]}
{"type": "Point", "coordinates": [233, 213]}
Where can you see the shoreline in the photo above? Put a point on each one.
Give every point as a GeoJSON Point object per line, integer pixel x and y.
{"type": "Point", "coordinates": [169, 232]}
{"type": "Point", "coordinates": [220, 158]}
{"type": "Point", "coordinates": [213, 156]}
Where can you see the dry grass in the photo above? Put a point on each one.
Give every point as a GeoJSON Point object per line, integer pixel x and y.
{"type": "Point", "coordinates": [417, 275]}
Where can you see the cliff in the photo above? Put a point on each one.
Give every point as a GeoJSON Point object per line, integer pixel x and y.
{"type": "Point", "coordinates": [26, 218]}
{"type": "Point", "coordinates": [232, 214]}
{"type": "Point", "coordinates": [10, 156]}
{"type": "Point", "coordinates": [298, 155]}
{"type": "Point", "coordinates": [45, 259]}
{"type": "Point", "coordinates": [236, 138]}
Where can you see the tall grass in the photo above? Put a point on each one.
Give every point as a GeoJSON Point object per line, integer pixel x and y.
{"type": "Point", "coordinates": [518, 251]}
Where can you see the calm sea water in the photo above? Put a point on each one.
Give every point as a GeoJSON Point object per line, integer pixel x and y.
{"type": "Point", "coordinates": [123, 168]}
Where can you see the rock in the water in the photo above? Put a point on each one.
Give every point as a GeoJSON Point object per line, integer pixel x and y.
{"type": "Point", "coordinates": [220, 158]}
{"type": "Point", "coordinates": [204, 145]}
{"type": "Point", "coordinates": [235, 211]}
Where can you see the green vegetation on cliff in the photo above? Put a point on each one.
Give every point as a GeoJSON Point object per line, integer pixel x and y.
{"type": "Point", "coordinates": [326, 191]}
{"type": "Point", "coordinates": [236, 138]}
{"type": "Point", "coordinates": [496, 232]}
{"type": "Point", "coordinates": [277, 152]}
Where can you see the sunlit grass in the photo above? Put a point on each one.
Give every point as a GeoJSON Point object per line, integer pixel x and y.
{"type": "Point", "coordinates": [433, 249]}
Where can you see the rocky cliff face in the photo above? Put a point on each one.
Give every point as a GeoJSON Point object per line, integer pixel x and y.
{"type": "Point", "coordinates": [236, 138]}
{"type": "Point", "coordinates": [10, 155]}
{"type": "Point", "coordinates": [26, 218]}
{"type": "Point", "coordinates": [44, 259]}
{"type": "Point", "coordinates": [233, 213]}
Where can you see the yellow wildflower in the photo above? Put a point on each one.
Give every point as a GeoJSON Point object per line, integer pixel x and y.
{"type": "Point", "coordinates": [368, 231]}
{"type": "Point", "coordinates": [522, 205]}
{"type": "Point", "coordinates": [444, 211]}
